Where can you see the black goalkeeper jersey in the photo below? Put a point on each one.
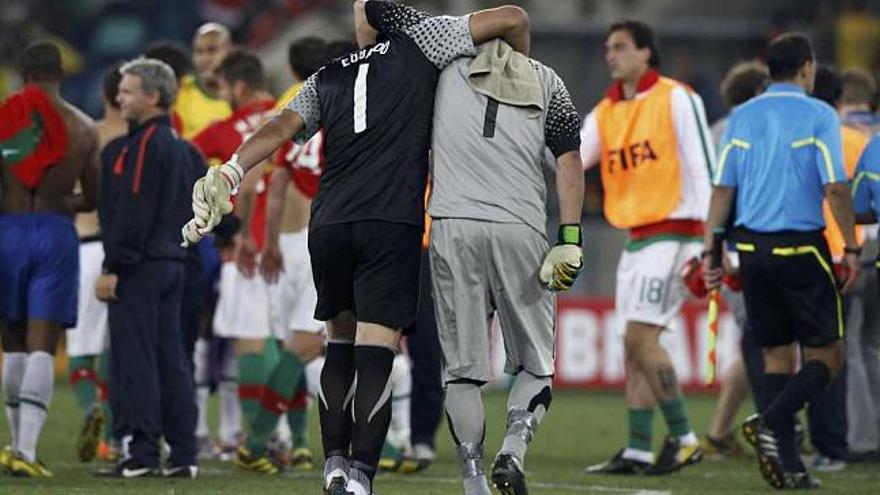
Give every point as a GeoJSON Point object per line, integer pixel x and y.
{"type": "Point", "coordinates": [376, 106]}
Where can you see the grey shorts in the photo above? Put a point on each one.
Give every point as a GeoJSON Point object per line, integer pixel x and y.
{"type": "Point", "coordinates": [479, 268]}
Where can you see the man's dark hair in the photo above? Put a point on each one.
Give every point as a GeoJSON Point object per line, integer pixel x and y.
{"type": "Point", "coordinates": [241, 65]}
{"type": "Point", "coordinates": [110, 86]}
{"type": "Point", "coordinates": [338, 48]}
{"type": "Point", "coordinates": [41, 61]}
{"type": "Point", "coordinates": [859, 87]}
{"type": "Point", "coordinates": [828, 86]}
{"type": "Point", "coordinates": [306, 56]}
{"type": "Point", "coordinates": [787, 54]}
{"type": "Point", "coordinates": [172, 53]}
{"type": "Point", "coordinates": [742, 82]}
{"type": "Point", "coordinates": [643, 37]}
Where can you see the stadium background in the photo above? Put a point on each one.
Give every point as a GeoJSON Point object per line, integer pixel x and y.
{"type": "Point", "coordinates": [699, 41]}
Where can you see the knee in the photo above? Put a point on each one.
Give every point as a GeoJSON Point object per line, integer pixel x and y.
{"type": "Point", "coordinates": [305, 346]}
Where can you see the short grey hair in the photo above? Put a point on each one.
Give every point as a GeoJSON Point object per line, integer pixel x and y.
{"type": "Point", "coordinates": [155, 76]}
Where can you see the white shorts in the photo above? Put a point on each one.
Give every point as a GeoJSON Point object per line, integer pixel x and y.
{"type": "Point", "coordinates": [292, 300]}
{"type": "Point", "coordinates": [89, 337]}
{"type": "Point", "coordinates": [649, 285]}
{"type": "Point", "coordinates": [243, 305]}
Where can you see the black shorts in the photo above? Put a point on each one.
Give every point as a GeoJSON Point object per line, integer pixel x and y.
{"type": "Point", "coordinates": [370, 268]}
{"type": "Point", "coordinates": [790, 288]}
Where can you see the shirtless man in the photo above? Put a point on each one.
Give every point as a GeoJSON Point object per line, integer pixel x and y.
{"type": "Point", "coordinates": [87, 341]}
{"type": "Point", "coordinates": [38, 243]}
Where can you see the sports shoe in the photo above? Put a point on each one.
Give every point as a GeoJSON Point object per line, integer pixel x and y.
{"type": "Point", "coordinates": [6, 456]}
{"type": "Point", "coordinates": [826, 464]}
{"type": "Point", "coordinates": [618, 465]}
{"type": "Point", "coordinates": [802, 481]}
{"type": "Point", "coordinates": [206, 448]}
{"type": "Point", "coordinates": [422, 457]}
{"type": "Point", "coordinates": [508, 476]}
{"type": "Point", "coordinates": [390, 458]}
{"type": "Point", "coordinates": [674, 456]}
{"type": "Point", "coordinates": [190, 471]}
{"type": "Point", "coordinates": [336, 487]}
{"type": "Point", "coordinates": [767, 447]}
{"type": "Point", "coordinates": [20, 467]}
{"type": "Point", "coordinates": [90, 435]}
{"type": "Point", "coordinates": [127, 469]}
{"type": "Point", "coordinates": [302, 459]}
{"type": "Point", "coordinates": [258, 464]}
{"type": "Point", "coordinates": [722, 449]}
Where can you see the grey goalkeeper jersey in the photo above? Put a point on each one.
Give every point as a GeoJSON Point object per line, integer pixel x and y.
{"type": "Point", "coordinates": [488, 156]}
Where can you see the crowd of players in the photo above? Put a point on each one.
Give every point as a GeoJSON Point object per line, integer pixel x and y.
{"type": "Point", "coordinates": [302, 294]}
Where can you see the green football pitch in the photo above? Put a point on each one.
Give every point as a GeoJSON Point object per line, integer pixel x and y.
{"type": "Point", "coordinates": [581, 428]}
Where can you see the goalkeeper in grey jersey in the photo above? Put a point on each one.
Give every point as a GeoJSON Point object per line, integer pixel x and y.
{"type": "Point", "coordinates": [494, 117]}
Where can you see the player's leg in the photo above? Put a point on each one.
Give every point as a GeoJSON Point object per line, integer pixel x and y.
{"type": "Point", "coordinates": [14, 363]}
{"type": "Point", "coordinates": [85, 343]}
{"type": "Point", "coordinates": [51, 307]}
{"type": "Point", "coordinates": [720, 441]}
{"type": "Point", "coordinates": [467, 425]}
{"type": "Point", "coordinates": [108, 446]}
{"type": "Point", "coordinates": [527, 316]}
{"type": "Point", "coordinates": [230, 421]}
{"type": "Point", "coordinates": [332, 259]}
{"type": "Point", "coordinates": [302, 457]}
{"type": "Point", "coordinates": [386, 285]}
{"type": "Point", "coordinates": [397, 444]}
{"type": "Point", "coordinates": [460, 287]}
{"type": "Point", "coordinates": [300, 347]}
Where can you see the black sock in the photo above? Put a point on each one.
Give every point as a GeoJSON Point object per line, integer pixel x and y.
{"type": "Point", "coordinates": [783, 428]}
{"type": "Point", "coordinates": [808, 383]}
{"type": "Point", "coordinates": [372, 405]}
{"type": "Point", "coordinates": [336, 381]}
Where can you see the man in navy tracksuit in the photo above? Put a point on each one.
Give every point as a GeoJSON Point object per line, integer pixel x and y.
{"type": "Point", "coordinates": [146, 179]}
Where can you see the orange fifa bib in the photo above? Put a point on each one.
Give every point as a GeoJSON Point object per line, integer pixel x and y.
{"type": "Point", "coordinates": [641, 171]}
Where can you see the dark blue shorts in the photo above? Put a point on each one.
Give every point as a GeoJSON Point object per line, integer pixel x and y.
{"type": "Point", "coordinates": [39, 268]}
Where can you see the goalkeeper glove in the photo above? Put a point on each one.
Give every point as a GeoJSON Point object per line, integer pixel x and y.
{"type": "Point", "coordinates": [211, 199]}
{"type": "Point", "coordinates": [563, 263]}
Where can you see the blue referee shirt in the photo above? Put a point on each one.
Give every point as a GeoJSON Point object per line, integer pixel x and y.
{"type": "Point", "coordinates": [779, 151]}
{"type": "Point", "coordinates": [866, 185]}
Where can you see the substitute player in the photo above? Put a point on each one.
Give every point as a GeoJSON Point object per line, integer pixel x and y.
{"type": "Point", "coordinates": [243, 307]}
{"type": "Point", "coordinates": [366, 225]}
{"type": "Point", "coordinates": [87, 342]}
{"type": "Point", "coordinates": [792, 294]}
{"type": "Point", "coordinates": [47, 146]}
{"type": "Point", "coordinates": [649, 136]}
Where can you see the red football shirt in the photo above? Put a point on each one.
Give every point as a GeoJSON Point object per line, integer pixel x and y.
{"type": "Point", "coordinates": [305, 162]}
{"type": "Point", "coordinates": [220, 140]}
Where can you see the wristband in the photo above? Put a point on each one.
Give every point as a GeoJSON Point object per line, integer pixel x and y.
{"type": "Point", "coordinates": [569, 234]}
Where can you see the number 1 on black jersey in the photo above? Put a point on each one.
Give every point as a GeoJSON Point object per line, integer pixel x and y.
{"type": "Point", "coordinates": [360, 99]}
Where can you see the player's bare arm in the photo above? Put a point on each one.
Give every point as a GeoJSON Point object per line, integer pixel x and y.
{"type": "Point", "coordinates": [272, 261]}
{"type": "Point", "coordinates": [570, 187]}
{"type": "Point", "coordinates": [246, 249]}
{"type": "Point", "coordinates": [508, 22]}
{"type": "Point", "coordinates": [87, 199]}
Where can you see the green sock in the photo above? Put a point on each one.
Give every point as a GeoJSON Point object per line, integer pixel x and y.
{"type": "Point", "coordinates": [104, 377]}
{"type": "Point", "coordinates": [676, 417]}
{"type": "Point", "coordinates": [298, 416]}
{"type": "Point", "coordinates": [84, 381]}
{"type": "Point", "coordinates": [641, 422]}
{"type": "Point", "coordinates": [251, 373]}
{"type": "Point", "coordinates": [275, 401]}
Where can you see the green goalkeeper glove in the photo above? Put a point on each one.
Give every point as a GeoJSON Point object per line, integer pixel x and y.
{"type": "Point", "coordinates": [564, 261]}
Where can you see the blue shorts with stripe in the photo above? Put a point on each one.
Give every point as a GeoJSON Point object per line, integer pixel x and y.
{"type": "Point", "coordinates": [39, 268]}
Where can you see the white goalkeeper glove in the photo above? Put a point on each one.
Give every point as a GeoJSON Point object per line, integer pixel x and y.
{"type": "Point", "coordinates": [564, 261]}
{"type": "Point", "coordinates": [211, 199]}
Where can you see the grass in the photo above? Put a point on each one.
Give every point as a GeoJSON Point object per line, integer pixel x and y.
{"type": "Point", "coordinates": [581, 428]}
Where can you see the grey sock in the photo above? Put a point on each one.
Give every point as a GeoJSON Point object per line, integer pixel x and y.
{"type": "Point", "coordinates": [467, 423]}
{"type": "Point", "coordinates": [335, 465]}
{"type": "Point", "coordinates": [529, 400]}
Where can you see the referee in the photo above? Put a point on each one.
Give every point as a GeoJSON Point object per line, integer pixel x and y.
{"type": "Point", "coordinates": [780, 155]}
